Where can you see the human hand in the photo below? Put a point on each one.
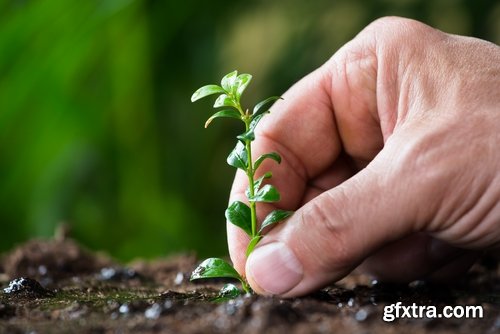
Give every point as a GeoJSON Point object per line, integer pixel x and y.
{"type": "Point", "coordinates": [390, 157]}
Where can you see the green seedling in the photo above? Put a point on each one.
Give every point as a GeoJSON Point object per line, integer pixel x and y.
{"type": "Point", "coordinates": [259, 190]}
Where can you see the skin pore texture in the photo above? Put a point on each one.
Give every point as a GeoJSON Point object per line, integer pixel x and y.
{"type": "Point", "coordinates": [390, 159]}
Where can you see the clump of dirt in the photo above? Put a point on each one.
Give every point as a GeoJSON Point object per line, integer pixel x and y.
{"type": "Point", "coordinates": [51, 261]}
{"type": "Point", "coordinates": [55, 286]}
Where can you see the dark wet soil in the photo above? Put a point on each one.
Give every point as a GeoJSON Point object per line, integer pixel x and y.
{"type": "Point", "coordinates": [58, 287]}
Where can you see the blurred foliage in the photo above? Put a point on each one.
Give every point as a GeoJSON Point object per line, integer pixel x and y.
{"type": "Point", "coordinates": [96, 126]}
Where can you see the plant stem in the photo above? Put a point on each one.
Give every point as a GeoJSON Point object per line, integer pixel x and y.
{"type": "Point", "coordinates": [245, 286]}
{"type": "Point", "coordinates": [250, 173]}
{"type": "Point", "coordinates": [253, 215]}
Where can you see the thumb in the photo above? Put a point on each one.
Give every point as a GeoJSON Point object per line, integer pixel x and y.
{"type": "Point", "coordinates": [333, 233]}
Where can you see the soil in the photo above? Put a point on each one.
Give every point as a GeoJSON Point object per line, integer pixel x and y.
{"type": "Point", "coordinates": [56, 286]}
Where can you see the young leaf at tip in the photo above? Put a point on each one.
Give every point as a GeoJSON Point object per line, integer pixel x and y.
{"type": "Point", "coordinates": [206, 91]}
{"type": "Point", "coordinates": [228, 80]}
{"type": "Point", "coordinates": [241, 84]}
{"type": "Point", "coordinates": [228, 113]}
{"type": "Point", "coordinates": [213, 268]}
{"type": "Point", "coordinates": [274, 217]}
{"type": "Point", "coordinates": [238, 213]}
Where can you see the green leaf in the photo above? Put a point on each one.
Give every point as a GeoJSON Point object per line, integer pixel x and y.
{"type": "Point", "coordinates": [274, 217]}
{"type": "Point", "coordinates": [251, 245]}
{"type": "Point", "coordinates": [224, 101]}
{"type": "Point", "coordinates": [206, 91]}
{"type": "Point", "coordinates": [267, 193]}
{"type": "Point", "coordinates": [249, 135]}
{"type": "Point", "coordinates": [229, 113]}
{"type": "Point", "coordinates": [238, 213]}
{"type": "Point", "coordinates": [241, 84]}
{"type": "Point", "coordinates": [273, 155]}
{"type": "Point", "coordinates": [228, 81]}
{"type": "Point", "coordinates": [238, 157]}
{"type": "Point", "coordinates": [257, 183]}
{"type": "Point", "coordinates": [260, 107]}
{"type": "Point", "coordinates": [227, 292]}
{"type": "Point", "coordinates": [215, 268]}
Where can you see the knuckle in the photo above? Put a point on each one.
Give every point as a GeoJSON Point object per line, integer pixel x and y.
{"type": "Point", "coordinates": [394, 24]}
{"type": "Point", "coordinates": [394, 31]}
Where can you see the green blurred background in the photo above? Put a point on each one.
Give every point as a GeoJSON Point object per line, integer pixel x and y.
{"type": "Point", "coordinates": [96, 126]}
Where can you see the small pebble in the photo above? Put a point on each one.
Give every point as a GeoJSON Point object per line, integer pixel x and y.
{"type": "Point", "coordinates": [350, 303]}
{"type": "Point", "coordinates": [231, 309]}
{"type": "Point", "coordinates": [237, 302]}
{"type": "Point", "coordinates": [361, 315]}
{"type": "Point", "coordinates": [117, 274]}
{"type": "Point", "coordinates": [42, 270]}
{"type": "Point", "coordinates": [179, 278]}
{"type": "Point", "coordinates": [167, 304]}
{"type": "Point", "coordinates": [124, 309]}
{"type": "Point", "coordinates": [153, 312]}
{"type": "Point", "coordinates": [107, 273]}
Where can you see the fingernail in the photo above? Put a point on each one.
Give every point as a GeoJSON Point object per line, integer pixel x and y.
{"type": "Point", "coordinates": [274, 268]}
{"type": "Point", "coordinates": [439, 251]}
